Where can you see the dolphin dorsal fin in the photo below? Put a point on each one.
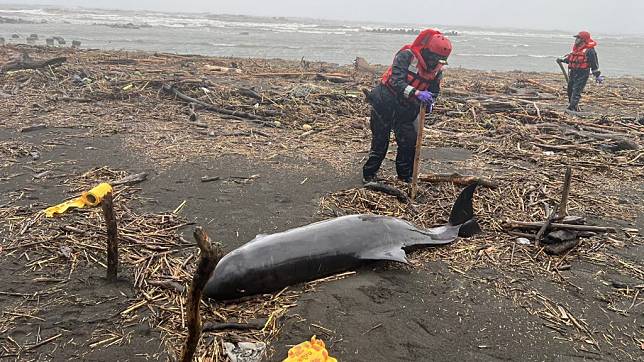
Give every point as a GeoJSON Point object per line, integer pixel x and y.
{"type": "Point", "coordinates": [393, 253]}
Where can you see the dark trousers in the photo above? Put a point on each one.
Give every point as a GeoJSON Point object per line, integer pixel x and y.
{"type": "Point", "coordinates": [390, 113]}
{"type": "Point", "coordinates": [576, 85]}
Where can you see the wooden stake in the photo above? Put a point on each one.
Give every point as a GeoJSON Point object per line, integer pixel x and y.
{"type": "Point", "coordinates": [209, 258]}
{"type": "Point", "coordinates": [419, 145]}
{"type": "Point", "coordinates": [563, 206]}
{"type": "Point", "coordinates": [545, 226]}
{"type": "Point", "coordinates": [112, 238]}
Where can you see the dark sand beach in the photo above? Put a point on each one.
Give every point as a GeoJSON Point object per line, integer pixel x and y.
{"type": "Point", "coordinates": [286, 140]}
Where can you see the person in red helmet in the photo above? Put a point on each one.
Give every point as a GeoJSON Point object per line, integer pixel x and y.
{"type": "Point", "coordinates": [581, 62]}
{"type": "Point", "coordinates": [413, 79]}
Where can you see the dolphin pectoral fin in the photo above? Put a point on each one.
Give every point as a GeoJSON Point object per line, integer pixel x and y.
{"type": "Point", "coordinates": [394, 254]}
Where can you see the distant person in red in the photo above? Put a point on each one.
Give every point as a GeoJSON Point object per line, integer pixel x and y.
{"type": "Point", "coordinates": [413, 78]}
{"type": "Point", "coordinates": [581, 62]}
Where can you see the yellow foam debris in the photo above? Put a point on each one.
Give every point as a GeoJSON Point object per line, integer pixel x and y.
{"type": "Point", "coordinates": [90, 198]}
{"type": "Point", "coordinates": [309, 351]}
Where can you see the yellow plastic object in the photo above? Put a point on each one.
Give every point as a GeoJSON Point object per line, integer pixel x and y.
{"type": "Point", "coordinates": [90, 198]}
{"type": "Point", "coordinates": [309, 351]}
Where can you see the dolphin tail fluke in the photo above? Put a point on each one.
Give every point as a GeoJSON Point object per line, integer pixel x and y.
{"type": "Point", "coordinates": [463, 212]}
{"type": "Point", "coordinates": [470, 228]}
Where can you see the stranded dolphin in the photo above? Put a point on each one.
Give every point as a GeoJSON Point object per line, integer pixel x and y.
{"type": "Point", "coordinates": [271, 262]}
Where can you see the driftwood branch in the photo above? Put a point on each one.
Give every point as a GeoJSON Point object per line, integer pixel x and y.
{"type": "Point", "coordinates": [246, 116]}
{"type": "Point", "coordinates": [193, 116]}
{"type": "Point", "coordinates": [112, 238]}
{"type": "Point", "coordinates": [457, 179]}
{"type": "Point", "coordinates": [35, 127]}
{"type": "Point", "coordinates": [168, 284]}
{"type": "Point", "coordinates": [250, 93]}
{"type": "Point", "coordinates": [331, 79]}
{"type": "Point", "coordinates": [362, 65]}
{"type": "Point", "coordinates": [622, 141]}
{"type": "Point", "coordinates": [131, 180]}
{"type": "Point", "coordinates": [26, 63]}
{"type": "Point", "coordinates": [540, 85]}
{"type": "Point", "coordinates": [380, 187]}
{"type": "Point", "coordinates": [301, 74]}
{"type": "Point", "coordinates": [210, 256]}
{"type": "Point", "coordinates": [253, 324]}
{"type": "Point", "coordinates": [513, 224]}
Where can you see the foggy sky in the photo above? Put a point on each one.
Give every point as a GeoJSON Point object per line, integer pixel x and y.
{"type": "Point", "coordinates": [605, 16]}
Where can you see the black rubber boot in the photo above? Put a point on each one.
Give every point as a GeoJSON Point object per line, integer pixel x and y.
{"type": "Point", "coordinates": [370, 178]}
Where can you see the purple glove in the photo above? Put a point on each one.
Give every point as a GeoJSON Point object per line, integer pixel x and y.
{"type": "Point", "coordinates": [599, 79]}
{"type": "Point", "coordinates": [425, 97]}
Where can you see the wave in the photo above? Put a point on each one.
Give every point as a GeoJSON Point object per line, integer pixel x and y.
{"type": "Point", "coordinates": [262, 46]}
{"type": "Point", "coordinates": [488, 34]}
{"type": "Point", "coordinates": [25, 11]}
{"type": "Point", "coordinates": [541, 56]}
{"type": "Point", "coordinates": [486, 55]}
{"type": "Point", "coordinates": [140, 18]}
{"type": "Point", "coordinates": [504, 55]}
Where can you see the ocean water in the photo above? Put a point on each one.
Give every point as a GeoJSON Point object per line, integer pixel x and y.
{"type": "Point", "coordinates": [325, 40]}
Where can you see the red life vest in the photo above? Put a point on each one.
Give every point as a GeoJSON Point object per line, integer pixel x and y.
{"type": "Point", "coordinates": [417, 76]}
{"type": "Point", "coordinates": [577, 59]}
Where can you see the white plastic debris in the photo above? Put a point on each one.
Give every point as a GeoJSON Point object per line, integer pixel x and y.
{"type": "Point", "coordinates": [245, 351]}
{"type": "Point", "coordinates": [523, 241]}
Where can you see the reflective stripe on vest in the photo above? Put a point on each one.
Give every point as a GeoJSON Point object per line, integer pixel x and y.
{"type": "Point", "coordinates": [578, 60]}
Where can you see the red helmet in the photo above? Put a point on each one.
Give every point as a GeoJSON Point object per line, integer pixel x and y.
{"type": "Point", "coordinates": [440, 45]}
{"type": "Point", "coordinates": [583, 35]}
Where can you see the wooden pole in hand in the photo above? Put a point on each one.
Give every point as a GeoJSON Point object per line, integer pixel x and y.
{"type": "Point", "coordinates": [419, 145]}
{"type": "Point", "coordinates": [112, 238]}
{"type": "Point", "coordinates": [563, 70]}
{"type": "Point", "coordinates": [210, 256]}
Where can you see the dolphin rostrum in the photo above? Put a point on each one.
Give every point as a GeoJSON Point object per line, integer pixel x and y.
{"type": "Point", "coordinates": [271, 262]}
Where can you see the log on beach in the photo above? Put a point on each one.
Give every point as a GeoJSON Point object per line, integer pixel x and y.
{"type": "Point", "coordinates": [512, 224]}
{"type": "Point", "coordinates": [26, 63]}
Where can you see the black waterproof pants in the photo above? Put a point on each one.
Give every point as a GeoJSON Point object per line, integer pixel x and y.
{"type": "Point", "coordinates": [390, 113]}
{"type": "Point", "coordinates": [576, 85]}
